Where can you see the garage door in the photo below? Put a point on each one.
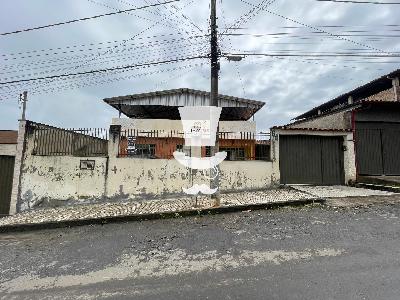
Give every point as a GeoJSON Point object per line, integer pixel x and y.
{"type": "Point", "coordinates": [308, 159]}
{"type": "Point", "coordinates": [378, 148]}
{"type": "Point", "coordinates": [6, 178]}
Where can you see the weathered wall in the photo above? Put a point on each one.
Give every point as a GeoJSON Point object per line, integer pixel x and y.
{"type": "Point", "coordinates": [349, 155]}
{"type": "Point", "coordinates": [141, 177]}
{"type": "Point", "coordinates": [58, 180]}
{"type": "Point", "coordinates": [8, 149]}
{"type": "Point", "coordinates": [168, 125]}
{"type": "Point", "coordinates": [131, 178]}
{"type": "Point", "coordinates": [54, 180]}
{"type": "Point", "coordinates": [339, 120]}
{"type": "Point", "coordinates": [245, 175]}
{"type": "Point", "coordinates": [386, 95]}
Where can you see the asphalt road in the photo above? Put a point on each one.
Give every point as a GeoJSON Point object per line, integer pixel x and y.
{"type": "Point", "coordinates": [313, 252]}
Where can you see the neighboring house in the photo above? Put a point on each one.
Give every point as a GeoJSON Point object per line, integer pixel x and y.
{"type": "Point", "coordinates": [8, 142]}
{"type": "Point", "coordinates": [357, 133]}
{"type": "Point", "coordinates": [8, 149]}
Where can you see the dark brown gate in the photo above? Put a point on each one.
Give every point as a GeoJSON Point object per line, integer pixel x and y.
{"type": "Point", "coordinates": [378, 148]}
{"type": "Point", "coordinates": [306, 159]}
{"type": "Point", "coordinates": [6, 179]}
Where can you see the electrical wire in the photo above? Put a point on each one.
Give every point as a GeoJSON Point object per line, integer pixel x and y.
{"type": "Point", "coordinates": [318, 29]}
{"type": "Point", "coordinates": [311, 55]}
{"type": "Point", "coordinates": [149, 48]}
{"type": "Point", "coordinates": [40, 89]}
{"type": "Point", "coordinates": [128, 57]}
{"type": "Point", "coordinates": [124, 41]}
{"type": "Point", "coordinates": [86, 18]}
{"type": "Point", "coordinates": [358, 2]}
{"type": "Point", "coordinates": [101, 70]}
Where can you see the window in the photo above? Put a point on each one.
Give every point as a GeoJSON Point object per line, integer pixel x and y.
{"type": "Point", "coordinates": [263, 152]}
{"type": "Point", "coordinates": [208, 151]}
{"type": "Point", "coordinates": [234, 153]}
{"type": "Point", "coordinates": [184, 149]}
{"type": "Point", "coordinates": [142, 150]}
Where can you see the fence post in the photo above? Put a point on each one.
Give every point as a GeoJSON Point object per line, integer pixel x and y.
{"type": "Point", "coordinates": [113, 141]}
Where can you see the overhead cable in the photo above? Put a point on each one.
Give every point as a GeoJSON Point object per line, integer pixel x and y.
{"type": "Point", "coordinates": [86, 18]}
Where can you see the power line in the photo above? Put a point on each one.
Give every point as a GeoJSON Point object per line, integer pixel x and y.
{"type": "Point", "coordinates": [125, 58]}
{"type": "Point", "coordinates": [358, 2]}
{"type": "Point", "coordinates": [313, 55]}
{"type": "Point", "coordinates": [148, 53]}
{"type": "Point", "coordinates": [74, 49]}
{"type": "Point", "coordinates": [101, 70]}
{"type": "Point", "coordinates": [318, 29]}
{"type": "Point", "coordinates": [167, 22]}
{"type": "Point", "coordinates": [94, 80]}
{"type": "Point", "coordinates": [124, 41]}
{"type": "Point", "coordinates": [250, 14]}
{"type": "Point", "coordinates": [79, 46]}
{"type": "Point", "coordinates": [87, 18]}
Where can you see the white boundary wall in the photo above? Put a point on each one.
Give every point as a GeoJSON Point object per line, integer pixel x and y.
{"type": "Point", "coordinates": [59, 180]}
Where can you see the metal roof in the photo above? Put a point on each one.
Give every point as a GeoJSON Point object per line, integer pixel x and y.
{"type": "Point", "coordinates": [311, 129]}
{"type": "Point", "coordinates": [380, 84]}
{"type": "Point", "coordinates": [165, 104]}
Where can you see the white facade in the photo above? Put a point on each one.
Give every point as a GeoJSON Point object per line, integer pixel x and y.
{"type": "Point", "coordinates": [8, 149]}
{"type": "Point", "coordinates": [176, 125]}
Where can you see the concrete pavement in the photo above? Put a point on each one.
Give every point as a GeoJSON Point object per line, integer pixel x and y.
{"type": "Point", "coordinates": [310, 252]}
{"type": "Point", "coordinates": [138, 210]}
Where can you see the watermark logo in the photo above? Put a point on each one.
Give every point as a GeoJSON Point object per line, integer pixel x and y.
{"type": "Point", "coordinates": [200, 125]}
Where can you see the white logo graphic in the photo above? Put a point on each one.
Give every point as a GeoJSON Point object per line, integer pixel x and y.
{"type": "Point", "coordinates": [204, 189]}
{"type": "Point", "coordinates": [200, 128]}
{"type": "Point", "coordinates": [197, 163]}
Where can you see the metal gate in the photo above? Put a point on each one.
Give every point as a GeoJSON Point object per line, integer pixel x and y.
{"type": "Point", "coordinates": [306, 159]}
{"type": "Point", "coordinates": [378, 148]}
{"type": "Point", "coordinates": [6, 179]}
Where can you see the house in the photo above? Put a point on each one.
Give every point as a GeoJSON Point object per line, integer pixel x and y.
{"type": "Point", "coordinates": [133, 159]}
{"type": "Point", "coordinates": [8, 149]}
{"type": "Point", "coordinates": [8, 142]}
{"type": "Point", "coordinates": [154, 128]}
{"type": "Point", "coordinates": [350, 137]}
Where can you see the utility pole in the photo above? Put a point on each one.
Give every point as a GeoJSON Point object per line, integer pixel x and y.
{"type": "Point", "coordinates": [23, 98]}
{"type": "Point", "coordinates": [214, 86]}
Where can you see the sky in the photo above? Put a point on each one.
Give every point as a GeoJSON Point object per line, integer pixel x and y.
{"type": "Point", "coordinates": [335, 46]}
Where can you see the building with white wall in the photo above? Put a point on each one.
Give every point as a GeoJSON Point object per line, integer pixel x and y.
{"type": "Point", "coordinates": [352, 137]}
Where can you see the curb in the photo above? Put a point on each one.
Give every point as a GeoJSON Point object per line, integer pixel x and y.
{"type": "Point", "coordinates": [145, 217]}
{"type": "Point", "coordinates": [379, 187]}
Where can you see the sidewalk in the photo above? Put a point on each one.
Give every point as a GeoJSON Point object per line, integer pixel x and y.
{"type": "Point", "coordinates": [135, 210]}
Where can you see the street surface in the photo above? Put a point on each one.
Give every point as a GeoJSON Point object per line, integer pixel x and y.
{"type": "Point", "coordinates": [334, 251]}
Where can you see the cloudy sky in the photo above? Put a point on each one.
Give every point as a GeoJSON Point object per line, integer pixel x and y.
{"type": "Point", "coordinates": [317, 50]}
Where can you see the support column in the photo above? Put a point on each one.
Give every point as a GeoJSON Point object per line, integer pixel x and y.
{"type": "Point", "coordinates": [396, 87]}
{"type": "Point", "coordinates": [113, 152]}
{"type": "Point", "coordinates": [18, 167]}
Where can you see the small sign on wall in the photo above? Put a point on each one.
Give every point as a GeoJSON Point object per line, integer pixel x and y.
{"type": "Point", "coordinates": [87, 164]}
